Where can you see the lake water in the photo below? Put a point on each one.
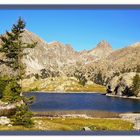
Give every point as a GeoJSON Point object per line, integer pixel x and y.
{"type": "Point", "coordinates": [82, 101]}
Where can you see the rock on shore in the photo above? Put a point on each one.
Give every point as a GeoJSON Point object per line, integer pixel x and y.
{"type": "Point", "coordinates": [4, 120]}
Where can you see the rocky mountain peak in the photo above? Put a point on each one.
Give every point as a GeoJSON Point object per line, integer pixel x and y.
{"type": "Point", "coordinates": [103, 44]}
{"type": "Point", "coordinates": [102, 49]}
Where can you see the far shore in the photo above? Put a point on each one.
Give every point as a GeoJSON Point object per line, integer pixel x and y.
{"type": "Point", "coordinates": [63, 92]}
{"type": "Point", "coordinates": [84, 92]}
{"type": "Point", "coordinates": [125, 97]}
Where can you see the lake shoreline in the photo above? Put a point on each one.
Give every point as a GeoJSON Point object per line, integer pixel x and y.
{"type": "Point", "coordinates": [125, 97]}
{"type": "Point", "coordinates": [89, 113]}
{"type": "Point", "coordinates": [63, 92]}
{"type": "Point", "coordinates": [83, 92]}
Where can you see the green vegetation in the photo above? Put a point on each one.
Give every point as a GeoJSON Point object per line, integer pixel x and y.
{"type": "Point", "coordinates": [11, 92]}
{"type": "Point", "coordinates": [136, 85]}
{"type": "Point", "coordinates": [11, 87]}
{"type": "Point", "coordinates": [87, 88]}
{"type": "Point", "coordinates": [80, 77]}
{"type": "Point", "coordinates": [95, 124]}
{"type": "Point", "coordinates": [34, 89]}
{"type": "Point", "coordinates": [75, 124]}
{"type": "Point", "coordinates": [3, 83]}
{"type": "Point", "coordinates": [46, 73]}
{"type": "Point", "coordinates": [98, 78]}
{"type": "Point", "coordinates": [22, 117]}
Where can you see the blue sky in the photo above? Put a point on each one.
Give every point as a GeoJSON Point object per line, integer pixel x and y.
{"type": "Point", "coordinates": [83, 29]}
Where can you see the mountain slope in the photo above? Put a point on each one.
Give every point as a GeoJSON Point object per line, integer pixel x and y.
{"type": "Point", "coordinates": [100, 62]}
{"type": "Point", "coordinates": [46, 55]}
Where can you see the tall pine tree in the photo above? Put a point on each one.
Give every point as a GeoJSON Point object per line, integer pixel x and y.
{"type": "Point", "coordinates": [12, 49]}
{"type": "Point", "coordinates": [136, 85]}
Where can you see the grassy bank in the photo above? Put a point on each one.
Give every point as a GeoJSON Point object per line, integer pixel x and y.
{"type": "Point", "coordinates": [62, 84]}
{"type": "Point", "coordinates": [74, 124]}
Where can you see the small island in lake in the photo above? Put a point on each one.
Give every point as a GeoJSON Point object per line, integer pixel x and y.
{"type": "Point", "coordinates": [49, 86]}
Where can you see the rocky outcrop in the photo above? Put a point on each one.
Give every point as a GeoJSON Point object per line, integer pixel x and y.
{"type": "Point", "coordinates": [52, 55]}
{"type": "Point", "coordinates": [122, 88]}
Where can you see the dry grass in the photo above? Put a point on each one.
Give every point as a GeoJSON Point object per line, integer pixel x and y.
{"type": "Point", "coordinates": [63, 84]}
{"type": "Point", "coordinates": [74, 124]}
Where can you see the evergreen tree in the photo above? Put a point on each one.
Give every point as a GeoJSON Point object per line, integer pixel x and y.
{"type": "Point", "coordinates": [13, 52]}
{"type": "Point", "coordinates": [98, 79]}
{"type": "Point", "coordinates": [12, 49]}
{"type": "Point", "coordinates": [80, 77]}
{"type": "Point", "coordinates": [138, 68]}
{"type": "Point", "coordinates": [136, 85]}
{"type": "Point", "coordinates": [3, 82]}
{"type": "Point", "coordinates": [11, 92]}
{"type": "Point", "coordinates": [45, 73]}
{"type": "Point", "coordinates": [22, 117]}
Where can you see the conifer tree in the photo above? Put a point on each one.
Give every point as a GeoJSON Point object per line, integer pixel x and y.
{"type": "Point", "coordinates": [136, 85]}
{"type": "Point", "coordinates": [12, 49]}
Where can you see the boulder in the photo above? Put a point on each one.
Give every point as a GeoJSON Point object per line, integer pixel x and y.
{"type": "Point", "coordinates": [86, 129]}
{"type": "Point", "coordinates": [4, 120]}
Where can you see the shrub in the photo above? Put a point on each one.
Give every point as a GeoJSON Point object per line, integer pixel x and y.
{"type": "Point", "coordinates": [80, 77]}
{"type": "Point", "coordinates": [99, 78]}
{"type": "Point", "coordinates": [34, 89]}
{"type": "Point", "coordinates": [82, 80]}
{"type": "Point", "coordinates": [37, 76]}
{"type": "Point", "coordinates": [98, 128]}
{"type": "Point", "coordinates": [45, 73]}
{"type": "Point", "coordinates": [22, 117]}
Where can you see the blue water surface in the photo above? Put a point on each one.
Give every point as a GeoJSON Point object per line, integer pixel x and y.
{"type": "Point", "coordinates": [82, 101]}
